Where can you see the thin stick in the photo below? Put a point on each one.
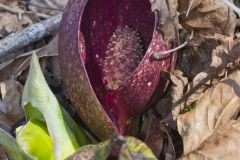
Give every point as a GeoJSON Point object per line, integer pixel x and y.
{"type": "Point", "coordinates": [9, 9]}
{"type": "Point", "coordinates": [189, 8]}
{"type": "Point", "coordinates": [29, 35]}
{"type": "Point", "coordinates": [20, 12]}
{"type": "Point", "coordinates": [232, 6]}
{"type": "Point", "coordinates": [38, 6]}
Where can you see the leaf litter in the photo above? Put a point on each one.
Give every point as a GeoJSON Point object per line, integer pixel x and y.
{"type": "Point", "coordinates": [197, 118]}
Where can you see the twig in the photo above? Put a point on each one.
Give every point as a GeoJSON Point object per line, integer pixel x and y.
{"type": "Point", "coordinates": [38, 6]}
{"type": "Point", "coordinates": [9, 9]}
{"type": "Point", "coordinates": [26, 54]}
{"type": "Point", "coordinates": [232, 6]}
{"type": "Point", "coordinates": [189, 8]}
{"type": "Point", "coordinates": [40, 15]}
{"type": "Point", "coordinates": [29, 35]}
{"type": "Point", "coordinates": [19, 12]}
{"type": "Point", "coordinates": [49, 50]}
{"type": "Point", "coordinates": [157, 55]}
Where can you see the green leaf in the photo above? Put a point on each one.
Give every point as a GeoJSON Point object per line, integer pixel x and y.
{"type": "Point", "coordinates": [125, 148]}
{"type": "Point", "coordinates": [11, 147]}
{"type": "Point", "coordinates": [35, 140]}
{"type": "Point", "coordinates": [135, 149]}
{"type": "Point", "coordinates": [103, 151]}
{"type": "Point", "coordinates": [189, 107]}
{"type": "Point", "coordinates": [78, 132]}
{"type": "Point", "coordinates": [87, 152]}
{"type": "Point", "coordinates": [41, 105]}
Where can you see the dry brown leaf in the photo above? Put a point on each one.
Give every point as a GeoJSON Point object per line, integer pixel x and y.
{"type": "Point", "coordinates": [162, 7]}
{"type": "Point", "coordinates": [3, 155]}
{"type": "Point", "coordinates": [217, 61]}
{"type": "Point", "coordinates": [84, 153]}
{"type": "Point", "coordinates": [16, 67]}
{"type": "Point", "coordinates": [212, 15]}
{"type": "Point", "coordinates": [207, 18]}
{"type": "Point", "coordinates": [199, 55]}
{"type": "Point", "coordinates": [158, 137]}
{"type": "Point", "coordinates": [11, 22]}
{"type": "Point", "coordinates": [183, 6]}
{"type": "Point", "coordinates": [9, 2]}
{"type": "Point", "coordinates": [7, 71]}
{"type": "Point", "coordinates": [48, 62]}
{"type": "Point", "coordinates": [179, 84]}
{"type": "Point", "coordinates": [159, 5]}
{"type": "Point", "coordinates": [164, 106]}
{"type": "Point", "coordinates": [215, 109]}
{"type": "Point", "coordinates": [168, 22]}
{"type": "Point", "coordinates": [204, 51]}
{"type": "Point", "coordinates": [224, 62]}
{"type": "Point", "coordinates": [223, 144]}
{"type": "Point", "coordinates": [10, 110]}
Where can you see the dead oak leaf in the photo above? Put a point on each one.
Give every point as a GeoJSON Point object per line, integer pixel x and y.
{"type": "Point", "coordinates": [212, 15]}
{"type": "Point", "coordinates": [215, 109]}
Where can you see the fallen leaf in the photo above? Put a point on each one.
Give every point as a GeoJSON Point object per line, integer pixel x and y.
{"type": "Point", "coordinates": [206, 18]}
{"type": "Point", "coordinates": [3, 155]}
{"type": "Point", "coordinates": [168, 21]}
{"type": "Point", "coordinates": [10, 103]}
{"type": "Point", "coordinates": [218, 59]}
{"type": "Point", "coordinates": [46, 51]}
{"type": "Point", "coordinates": [221, 145]}
{"type": "Point", "coordinates": [122, 148]}
{"type": "Point", "coordinates": [186, 5]}
{"type": "Point", "coordinates": [15, 67]}
{"type": "Point", "coordinates": [179, 86]}
{"type": "Point", "coordinates": [215, 109]}
{"type": "Point", "coordinates": [158, 138]}
{"type": "Point", "coordinates": [164, 106]}
{"type": "Point", "coordinates": [11, 22]}
{"type": "Point", "coordinates": [212, 15]}
{"type": "Point", "coordinates": [224, 61]}
{"type": "Point", "coordinates": [86, 152]}
{"type": "Point", "coordinates": [162, 7]}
